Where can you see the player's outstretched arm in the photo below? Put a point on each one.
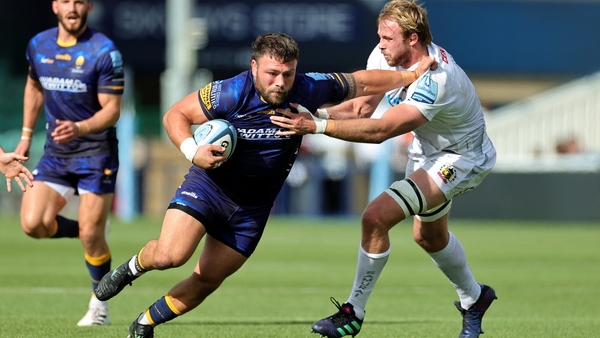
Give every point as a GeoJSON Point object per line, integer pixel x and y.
{"type": "Point", "coordinates": [375, 81]}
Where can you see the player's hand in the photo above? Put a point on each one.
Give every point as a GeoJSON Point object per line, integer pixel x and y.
{"type": "Point", "coordinates": [65, 131]}
{"type": "Point", "coordinates": [209, 156]}
{"type": "Point", "coordinates": [300, 123]}
{"type": "Point", "coordinates": [426, 63]}
{"type": "Point", "coordinates": [13, 168]}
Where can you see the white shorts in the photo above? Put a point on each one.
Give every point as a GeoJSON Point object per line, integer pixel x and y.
{"type": "Point", "coordinates": [454, 174]}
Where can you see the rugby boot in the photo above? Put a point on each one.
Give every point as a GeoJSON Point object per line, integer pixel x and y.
{"type": "Point", "coordinates": [340, 324]}
{"type": "Point", "coordinates": [471, 324]}
{"type": "Point", "coordinates": [137, 330]}
{"type": "Point", "coordinates": [114, 281]}
{"type": "Point", "coordinates": [96, 315]}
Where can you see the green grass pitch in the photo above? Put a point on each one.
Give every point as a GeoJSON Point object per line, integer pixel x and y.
{"type": "Point", "coordinates": [546, 275]}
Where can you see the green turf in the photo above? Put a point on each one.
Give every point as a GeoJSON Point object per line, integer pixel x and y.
{"type": "Point", "coordinates": [547, 277]}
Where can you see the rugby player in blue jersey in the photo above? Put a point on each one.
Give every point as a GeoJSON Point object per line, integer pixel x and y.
{"type": "Point", "coordinates": [76, 75]}
{"type": "Point", "coordinates": [229, 206]}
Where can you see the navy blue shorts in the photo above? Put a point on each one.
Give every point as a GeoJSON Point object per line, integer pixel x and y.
{"type": "Point", "coordinates": [237, 226]}
{"type": "Point", "coordinates": [97, 174]}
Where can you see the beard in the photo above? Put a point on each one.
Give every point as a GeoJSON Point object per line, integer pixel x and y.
{"type": "Point", "coordinates": [273, 97]}
{"type": "Point", "coordinates": [399, 60]}
{"type": "Point", "coordinates": [73, 29]}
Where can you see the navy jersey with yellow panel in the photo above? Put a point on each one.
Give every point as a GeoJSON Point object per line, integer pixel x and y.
{"type": "Point", "coordinates": [256, 171]}
{"type": "Point", "coordinates": [234, 201]}
{"type": "Point", "coordinates": [72, 75]}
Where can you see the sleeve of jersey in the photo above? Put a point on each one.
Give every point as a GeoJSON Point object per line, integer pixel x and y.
{"type": "Point", "coordinates": [219, 97]}
{"type": "Point", "coordinates": [330, 87]}
{"type": "Point", "coordinates": [30, 55]}
{"type": "Point", "coordinates": [428, 95]}
{"type": "Point", "coordinates": [111, 79]}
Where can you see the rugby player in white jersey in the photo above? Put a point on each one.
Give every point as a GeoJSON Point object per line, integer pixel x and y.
{"type": "Point", "coordinates": [450, 155]}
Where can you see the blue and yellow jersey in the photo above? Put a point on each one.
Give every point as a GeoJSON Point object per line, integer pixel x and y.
{"type": "Point", "coordinates": [72, 76]}
{"type": "Point", "coordinates": [256, 171]}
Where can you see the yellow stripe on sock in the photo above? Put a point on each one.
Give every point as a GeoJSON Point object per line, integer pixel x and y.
{"type": "Point", "coordinates": [171, 305]}
{"type": "Point", "coordinates": [97, 261]}
{"type": "Point", "coordinates": [139, 259]}
{"type": "Point", "coordinates": [149, 318]}
{"type": "Point", "coordinates": [54, 230]}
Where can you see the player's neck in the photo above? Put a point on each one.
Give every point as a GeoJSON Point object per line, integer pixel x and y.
{"type": "Point", "coordinates": [66, 38]}
{"type": "Point", "coordinates": [416, 56]}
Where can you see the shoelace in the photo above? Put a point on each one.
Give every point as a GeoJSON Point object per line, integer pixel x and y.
{"type": "Point", "coordinates": [343, 315]}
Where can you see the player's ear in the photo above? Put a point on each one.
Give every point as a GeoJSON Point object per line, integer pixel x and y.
{"type": "Point", "coordinates": [413, 39]}
{"type": "Point", "coordinates": [254, 67]}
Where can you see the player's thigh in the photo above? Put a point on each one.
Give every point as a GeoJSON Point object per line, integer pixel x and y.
{"type": "Point", "coordinates": [94, 209]}
{"type": "Point", "coordinates": [430, 189]}
{"type": "Point", "coordinates": [40, 205]}
{"type": "Point", "coordinates": [218, 261]}
{"type": "Point", "coordinates": [179, 237]}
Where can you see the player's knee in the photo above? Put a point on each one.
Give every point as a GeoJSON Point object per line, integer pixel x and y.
{"type": "Point", "coordinates": [33, 227]}
{"type": "Point", "coordinates": [35, 233]}
{"type": "Point", "coordinates": [89, 239]}
{"type": "Point", "coordinates": [422, 241]}
{"type": "Point", "coordinates": [372, 221]}
{"type": "Point", "coordinates": [431, 241]}
{"type": "Point", "coordinates": [165, 260]}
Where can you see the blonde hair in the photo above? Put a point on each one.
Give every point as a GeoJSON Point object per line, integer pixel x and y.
{"type": "Point", "coordinates": [410, 16]}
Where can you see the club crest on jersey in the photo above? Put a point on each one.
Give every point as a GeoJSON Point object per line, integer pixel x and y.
{"type": "Point", "coordinates": [78, 63]}
{"type": "Point", "coordinates": [447, 173]}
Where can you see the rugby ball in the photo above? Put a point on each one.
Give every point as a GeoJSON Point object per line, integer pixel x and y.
{"type": "Point", "coordinates": [218, 132]}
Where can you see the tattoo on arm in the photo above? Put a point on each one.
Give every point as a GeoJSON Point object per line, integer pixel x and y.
{"type": "Point", "coordinates": [351, 85]}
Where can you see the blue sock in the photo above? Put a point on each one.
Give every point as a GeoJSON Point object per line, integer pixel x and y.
{"type": "Point", "coordinates": [65, 228]}
{"type": "Point", "coordinates": [98, 267]}
{"type": "Point", "coordinates": [160, 312]}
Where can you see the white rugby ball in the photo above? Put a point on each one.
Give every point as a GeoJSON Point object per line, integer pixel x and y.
{"type": "Point", "coordinates": [218, 132]}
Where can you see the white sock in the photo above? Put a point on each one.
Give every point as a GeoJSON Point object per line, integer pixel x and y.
{"type": "Point", "coordinates": [368, 269]}
{"type": "Point", "coordinates": [95, 302]}
{"type": "Point", "coordinates": [143, 320]}
{"type": "Point", "coordinates": [133, 266]}
{"type": "Point", "coordinates": [452, 260]}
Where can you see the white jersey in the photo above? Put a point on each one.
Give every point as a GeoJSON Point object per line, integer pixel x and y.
{"type": "Point", "coordinates": [447, 98]}
{"type": "Point", "coordinates": [453, 147]}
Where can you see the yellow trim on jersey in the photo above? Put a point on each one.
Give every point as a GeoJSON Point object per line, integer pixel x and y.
{"type": "Point", "coordinates": [171, 305]}
{"type": "Point", "coordinates": [113, 87]}
{"type": "Point", "coordinates": [97, 261]}
{"type": "Point", "coordinates": [66, 44]}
